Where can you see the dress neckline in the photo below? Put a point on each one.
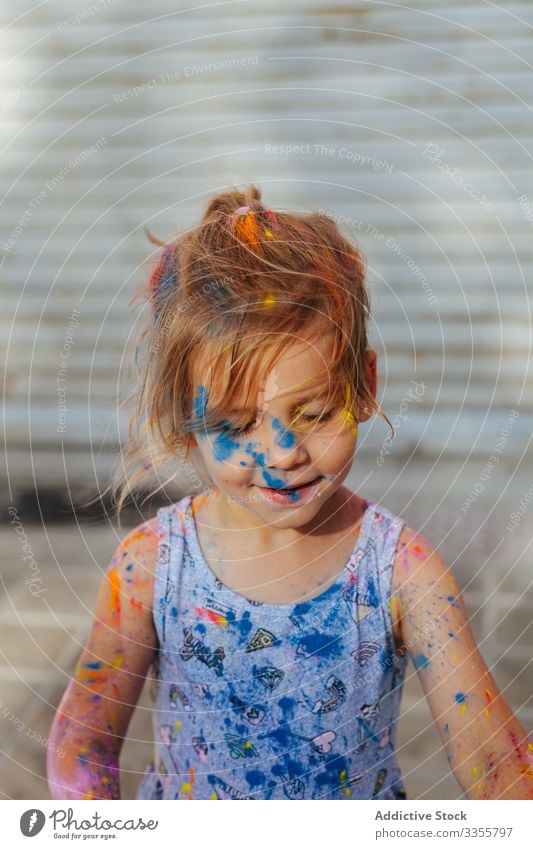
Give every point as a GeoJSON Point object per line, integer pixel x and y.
{"type": "Point", "coordinates": [193, 539]}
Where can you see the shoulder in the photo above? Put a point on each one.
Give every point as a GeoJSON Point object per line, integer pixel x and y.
{"type": "Point", "coordinates": [415, 558]}
{"type": "Point", "coordinates": [141, 543]}
{"type": "Point", "coordinates": [131, 570]}
{"type": "Point", "coordinates": [418, 569]}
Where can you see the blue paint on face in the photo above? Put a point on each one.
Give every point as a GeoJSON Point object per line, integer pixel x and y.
{"type": "Point", "coordinates": [272, 482]}
{"type": "Point", "coordinates": [258, 457]}
{"type": "Point", "coordinates": [224, 445]}
{"type": "Point", "coordinates": [420, 661]}
{"type": "Point", "coordinates": [284, 438]}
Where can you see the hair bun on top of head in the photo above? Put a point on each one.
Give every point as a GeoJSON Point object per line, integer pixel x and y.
{"type": "Point", "coordinates": [165, 274]}
{"type": "Point", "coordinates": [164, 277]}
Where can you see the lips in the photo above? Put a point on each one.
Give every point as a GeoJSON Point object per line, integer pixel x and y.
{"type": "Point", "coordinates": [293, 486]}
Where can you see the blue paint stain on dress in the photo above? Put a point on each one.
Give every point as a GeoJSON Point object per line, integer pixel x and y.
{"type": "Point", "coordinates": [284, 438]}
{"type": "Point", "coordinates": [373, 599]}
{"type": "Point", "coordinates": [318, 643]}
{"type": "Point", "coordinates": [245, 624]}
{"type": "Point", "coordinates": [255, 777]}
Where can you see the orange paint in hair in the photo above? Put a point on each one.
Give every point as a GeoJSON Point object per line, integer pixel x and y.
{"type": "Point", "coordinates": [247, 228]}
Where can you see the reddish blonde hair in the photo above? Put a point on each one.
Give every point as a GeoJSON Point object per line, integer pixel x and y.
{"type": "Point", "coordinates": [241, 285]}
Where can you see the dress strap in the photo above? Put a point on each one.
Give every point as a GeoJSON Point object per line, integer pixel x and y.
{"type": "Point", "coordinates": [169, 557]}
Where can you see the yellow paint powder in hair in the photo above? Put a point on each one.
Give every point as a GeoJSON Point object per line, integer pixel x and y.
{"type": "Point", "coordinates": [346, 413]}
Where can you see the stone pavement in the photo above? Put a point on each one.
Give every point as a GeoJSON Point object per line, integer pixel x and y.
{"type": "Point", "coordinates": [41, 638]}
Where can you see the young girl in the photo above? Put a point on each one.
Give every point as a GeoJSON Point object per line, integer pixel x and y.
{"type": "Point", "coordinates": [277, 607]}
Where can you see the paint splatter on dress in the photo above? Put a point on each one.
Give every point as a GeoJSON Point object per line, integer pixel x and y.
{"type": "Point", "coordinates": [274, 701]}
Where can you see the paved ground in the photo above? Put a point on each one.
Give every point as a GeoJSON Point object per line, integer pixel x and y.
{"type": "Point", "coordinates": [41, 638]}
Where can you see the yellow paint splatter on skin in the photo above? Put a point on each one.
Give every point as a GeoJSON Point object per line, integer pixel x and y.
{"type": "Point", "coordinates": [454, 658]}
{"type": "Point", "coordinates": [197, 502]}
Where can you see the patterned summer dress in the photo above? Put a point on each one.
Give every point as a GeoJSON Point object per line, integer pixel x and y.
{"type": "Point", "coordinates": [274, 701]}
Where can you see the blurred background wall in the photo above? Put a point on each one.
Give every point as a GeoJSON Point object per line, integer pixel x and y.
{"type": "Point", "coordinates": [412, 125]}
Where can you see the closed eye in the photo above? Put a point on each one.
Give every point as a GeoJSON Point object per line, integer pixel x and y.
{"type": "Point", "coordinates": [244, 431]}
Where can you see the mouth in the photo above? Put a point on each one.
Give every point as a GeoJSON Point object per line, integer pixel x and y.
{"type": "Point", "coordinates": [290, 487]}
{"type": "Point", "coordinates": [291, 493]}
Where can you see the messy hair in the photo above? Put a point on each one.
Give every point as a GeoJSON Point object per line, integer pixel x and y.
{"type": "Point", "coordinates": [242, 285]}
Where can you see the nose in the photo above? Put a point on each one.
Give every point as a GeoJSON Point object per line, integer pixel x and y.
{"type": "Point", "coordinates": [284, 448]}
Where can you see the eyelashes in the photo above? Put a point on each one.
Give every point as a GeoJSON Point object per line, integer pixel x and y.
{"type": "Point", "coordinates": [244, 431]}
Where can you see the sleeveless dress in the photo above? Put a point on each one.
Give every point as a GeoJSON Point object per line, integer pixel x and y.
{"type": "Point", "coordinates": [254, 700]}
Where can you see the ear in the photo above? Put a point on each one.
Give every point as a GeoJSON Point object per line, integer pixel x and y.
{"type": "Point", "coordinates": [371, 367]}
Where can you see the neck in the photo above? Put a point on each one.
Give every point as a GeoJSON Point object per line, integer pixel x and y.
{"type": "Point", "coordinates": [228, 514]}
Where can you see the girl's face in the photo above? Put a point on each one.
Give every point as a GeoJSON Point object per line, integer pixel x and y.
{"type": "Point", "coordinates": [278, 475]}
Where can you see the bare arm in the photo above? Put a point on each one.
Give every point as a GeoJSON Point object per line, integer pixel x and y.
{"type": "Point", "coordinates": [96, 708]}
{"type": "Point", "coordinates": [488, 748]}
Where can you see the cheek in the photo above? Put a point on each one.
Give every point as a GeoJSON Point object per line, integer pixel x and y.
{"type": "Point", "coordinates": [228, 454]}
{"type": "Point", "coordinates": [335, 447]}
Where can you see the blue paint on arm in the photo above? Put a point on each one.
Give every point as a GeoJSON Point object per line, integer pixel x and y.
{"type": "Point", "coordinates": [420, 661]}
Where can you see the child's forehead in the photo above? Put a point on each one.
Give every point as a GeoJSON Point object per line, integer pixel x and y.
{"type": "Point", "coordinates": [300, 369]}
